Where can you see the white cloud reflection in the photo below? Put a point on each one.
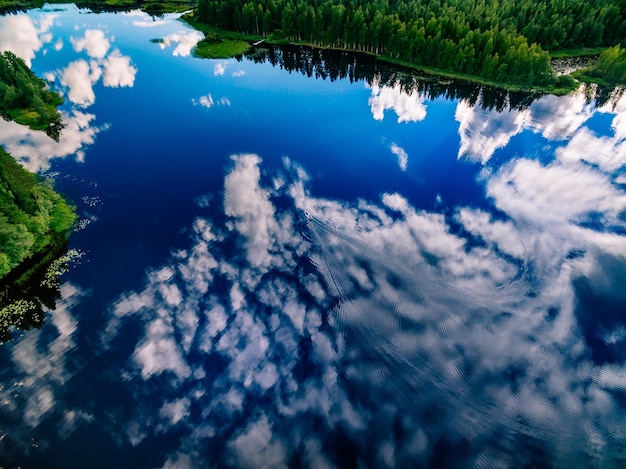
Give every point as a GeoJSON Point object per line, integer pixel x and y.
{"type": "Point", "coordinates": [185, 42]}
{"type": "Point", "coordinates": [220, 68]}
{"type": "Point", "coordinates": [80, 76]}
{"type": "Point", "coordinates": [118, 71]}
{"type": "Point", "coordinates": [403, 157]}
{"type": "Point", "coordinates": [208, 102]}
{"type": "Point", "coordinates": [483, 131]}
{"type": "Point", "coordinates": [35, 149]}
{"type": "Point", "coordinates": [94, 42]}
{"type": "Point", "coordinates": [42, 367]}
{"type": "Point", "coordinates": [23, 36]}
{"type": "Point", "coordinates": [374, 332]}
{"type": "Point", "coordinates": [144, 20]}
{"type": "Point", "coordinates": [409, 107]}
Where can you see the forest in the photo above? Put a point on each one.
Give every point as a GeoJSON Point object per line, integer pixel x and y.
{"type": "Point", "coordinates": [507, 41]}
{"type": "Point", "coordinates": [609, 69]}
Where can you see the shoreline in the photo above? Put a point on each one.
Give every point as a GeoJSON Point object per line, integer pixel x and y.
{"type": "Point", "coordinates": [220, 35]}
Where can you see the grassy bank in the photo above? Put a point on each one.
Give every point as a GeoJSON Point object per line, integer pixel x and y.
{"type": "Point", "coordinates": [221, 49]}
{"type": "Point", "coordinates": [585, 77]}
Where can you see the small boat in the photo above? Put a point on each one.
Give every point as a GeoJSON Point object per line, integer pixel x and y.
{"type": "Point", "coordinates": [308, 215]}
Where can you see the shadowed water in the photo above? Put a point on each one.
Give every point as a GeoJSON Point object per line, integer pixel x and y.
{"type": "Point", "coordinates": [291, 260]}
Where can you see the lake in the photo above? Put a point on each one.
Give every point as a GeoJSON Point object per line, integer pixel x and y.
{"type": "Point", "coordinates": [303, 259]}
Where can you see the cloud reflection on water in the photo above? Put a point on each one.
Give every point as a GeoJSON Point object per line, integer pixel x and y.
{"type": "Point", "coordinates": [185, 42]}
{"type": "Point", "coordinates": [35, 149]}
{"type": "Point", "coordinates": [144, 20]}
{"type": "Point", "coordinates": [95, 43]}
{"type": "Point", "coordinates": [118, 71]}
{"type": "Point", "coordinates": [483, 131]}
{"type": "Point", "coordinates": [379, 332]}
{"type": "Point", "coordinates": [403, 157]}
{"type": "Point", "coordinates": [42, 364]}
{"type": "Point", "coordinates": [208, 102]}
{"type": "Point", "coordinates": [409, 107]}
{"type": "Point", "coordinates": [23, 36]}
{"type": "Point", "coordinates": [80, 76]}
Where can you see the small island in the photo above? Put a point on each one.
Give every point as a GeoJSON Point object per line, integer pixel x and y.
{"type": "Point", "coordinates": [25, 98]}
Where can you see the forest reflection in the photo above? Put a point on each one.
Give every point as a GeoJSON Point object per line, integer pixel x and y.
{"type": "Point", "coordinates": [334, 65]}
{"type": "Point", "coordinates": [32, 289]}
{"type": "Point", "coordinates": [341, 65]}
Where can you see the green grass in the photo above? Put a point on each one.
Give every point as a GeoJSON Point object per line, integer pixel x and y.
{"type": "Point", "coordinates": [221, 50]}
{"type": "Point", "coordinates": [584, 77]}
{"type": "Point", "coordinates": [32, 118]}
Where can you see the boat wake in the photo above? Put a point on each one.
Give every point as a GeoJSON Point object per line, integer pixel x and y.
{"type": "Point", "coordinates": [426, 343]}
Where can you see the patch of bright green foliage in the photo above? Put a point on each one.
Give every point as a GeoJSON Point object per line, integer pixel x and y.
{"type": "Point", "coordinates": [221, 49]}
{"type": "Point", "coordinates": [610, 68]}
{"type": "Point", "coordinates": [32, 215]}
{"type": "Point", "coordinates": [24, 97]}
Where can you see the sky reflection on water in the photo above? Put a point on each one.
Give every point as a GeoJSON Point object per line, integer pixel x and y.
{"type": "Point", "coordinates": [472, 316]}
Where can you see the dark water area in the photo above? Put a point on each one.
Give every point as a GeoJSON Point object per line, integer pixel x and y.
{"type": "Point", "coordinates": [300, 258]}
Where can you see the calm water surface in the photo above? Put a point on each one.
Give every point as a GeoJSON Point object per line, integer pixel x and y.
{"type": "Point", "coordinates": [456, 299]}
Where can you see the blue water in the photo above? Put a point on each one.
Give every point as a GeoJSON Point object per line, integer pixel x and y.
{"type": "Point", "coordinates": [456, 298]}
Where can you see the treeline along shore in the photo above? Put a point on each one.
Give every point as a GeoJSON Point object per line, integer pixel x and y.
{"type": "Point", "coordinates": [505, 42]}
